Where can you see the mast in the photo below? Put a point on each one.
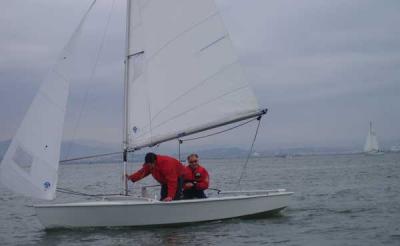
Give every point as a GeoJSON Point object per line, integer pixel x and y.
{"type": "Point", "coordinates": [370, 127]}
{"type": "Point", "coordinates": [126, 99]}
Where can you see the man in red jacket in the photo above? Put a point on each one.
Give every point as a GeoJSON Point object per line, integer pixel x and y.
{"type": "Point", "coordinates": [166, 170]}
{"type": "Point", "coordinates": [196, 179]}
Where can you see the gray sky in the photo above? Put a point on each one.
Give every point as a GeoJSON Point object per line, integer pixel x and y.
{"type": "Point", "coordinates": [323, 68]}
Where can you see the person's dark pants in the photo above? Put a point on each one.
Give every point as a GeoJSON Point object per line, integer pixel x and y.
{"type": "Point", "coordinates": [193, 193]}
{"type": "Point", "coordinates": [178, 194]}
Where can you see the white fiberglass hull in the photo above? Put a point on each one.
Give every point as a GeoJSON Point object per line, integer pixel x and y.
{"type": "Point", "coordinates": [376, 152]}
{"type": "Point", "coordinates": [152, 213]}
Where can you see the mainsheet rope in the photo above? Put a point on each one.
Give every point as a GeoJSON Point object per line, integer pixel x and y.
{"type": "Point", "coordinates": [250, 151]}
{"type": "Point", "coordinates": [180, 141]}
{"type": "Point", "coordinates": [215, 133]}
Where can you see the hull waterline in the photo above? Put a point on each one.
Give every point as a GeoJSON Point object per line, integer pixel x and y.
{"type": "Point", "coordinates": [154, 213]}
{"type": "Point", "coordinates": [374, 153]}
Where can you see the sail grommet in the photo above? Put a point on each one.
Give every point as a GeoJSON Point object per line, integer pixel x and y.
{"type": "Point", "coordinates": [46, 185]}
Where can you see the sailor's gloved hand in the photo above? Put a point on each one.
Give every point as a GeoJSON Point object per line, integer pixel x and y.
{"type": "Point", "coordinates": [167, 199]}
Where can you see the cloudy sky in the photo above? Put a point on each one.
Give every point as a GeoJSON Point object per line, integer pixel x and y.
{"type": "Point", "coordinates": [323, 68]}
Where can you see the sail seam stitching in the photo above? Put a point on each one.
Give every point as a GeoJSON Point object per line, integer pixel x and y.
{"type": "Point", "coordinates": [213, 43]}
{"type": "Point", "coordinates": [200, 105]}
{"type": "Point", "coordinates": [195, 86]}
{"type": "Point", "coordinates": [47, 98]}
{"type": "Point", "coordinates": [181, 34]}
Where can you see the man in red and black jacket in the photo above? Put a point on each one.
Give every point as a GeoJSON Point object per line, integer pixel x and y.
{"type": "Point", "coordinates": [167, 171]}
{"type": "Point", "coordinates": [196, 179]}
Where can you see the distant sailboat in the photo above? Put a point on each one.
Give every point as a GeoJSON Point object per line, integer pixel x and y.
{"type": "Point", "coordinates": [371, 146]}
{"type": "Point", "coordinates": [395, 148]}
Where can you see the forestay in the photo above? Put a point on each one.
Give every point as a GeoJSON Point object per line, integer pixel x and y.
{"type": "Point", "coordinates": [183, 72]}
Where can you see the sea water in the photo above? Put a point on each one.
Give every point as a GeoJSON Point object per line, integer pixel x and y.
{"type": "Point", "coordinates": [338, 200]}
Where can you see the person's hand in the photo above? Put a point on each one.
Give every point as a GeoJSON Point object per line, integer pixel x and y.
{"type": "Point", "coordinates": [189, 185]}
{"type": "Point", "coordinates": [167, 199]}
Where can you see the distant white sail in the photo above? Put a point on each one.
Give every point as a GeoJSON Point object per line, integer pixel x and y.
{"type": "Point", "coordinates": [183, 71]}
{"type": "Point", "coordinates": [371, 144]}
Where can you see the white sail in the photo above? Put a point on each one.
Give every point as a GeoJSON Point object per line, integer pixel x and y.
{"type": "Point", "coordinates": [186, 79]}
{"type": "Point", "coordinates": [371, 144]}
{"type": "Point", "coordinates": [183, 71]}
{"type": "Point", "coordinates": [30, 165]}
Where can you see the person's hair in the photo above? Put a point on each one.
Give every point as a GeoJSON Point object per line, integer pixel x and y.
{"type": "Point", "coordinates": [150, 158]}
{"type": "Point", "coordinates": [192, 155]}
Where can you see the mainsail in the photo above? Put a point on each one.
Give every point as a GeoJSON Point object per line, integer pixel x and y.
{"type": "Point", "coordinates": [183, 73]}
{"type": "Point", "coordinates": [30, 164]}
{"type": "Point", "coordinates": [182, 77]}
{"type": "Point", "coordinates": [371, 144]}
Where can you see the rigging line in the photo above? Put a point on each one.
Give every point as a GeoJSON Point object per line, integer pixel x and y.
{"type": "Point", "coordinates": [62, 56]}
{"type": "Point", "coordinates": [90, 157]}
{"type": "Point", "coordinates": [149, 108]}
{"type": "Point", "coordinates": [215, 189]}
{"type": "Point", "coordinates": [250, 151]}
{"type": "Point", "coordinates": [76, 31]}
{"type": "Point", "coordinates": [92, 73]}
{"type": "Point", "coordinates": [72, 192]}
{"type": "Point", "coordinates": [215, 133]}
{"type": "Point", "coordinates": [204, 127]}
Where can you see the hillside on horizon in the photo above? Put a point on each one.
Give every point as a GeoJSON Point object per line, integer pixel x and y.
{"type": "Point", "coordinates": [71, 149]}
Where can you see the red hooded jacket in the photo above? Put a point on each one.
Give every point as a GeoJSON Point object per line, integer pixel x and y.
{"type": "Point", "coordinates": [198, 175]}
{"type": "Point", "coordinates": [166, 171]}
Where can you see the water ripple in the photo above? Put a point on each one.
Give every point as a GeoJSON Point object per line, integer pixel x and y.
{"type": "Point", "coordinates": [338, 200]}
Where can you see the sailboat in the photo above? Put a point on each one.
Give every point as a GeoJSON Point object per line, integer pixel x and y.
{"type": "Point", "coordinates": [371, 144]}
{"type": "Point", "coordinates": [395, 148]}
{"type": "Point", "coordinates": [182, 77]}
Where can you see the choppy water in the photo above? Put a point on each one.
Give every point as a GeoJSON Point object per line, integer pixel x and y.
{"type": "Point", "coordinates": [338, 200]}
